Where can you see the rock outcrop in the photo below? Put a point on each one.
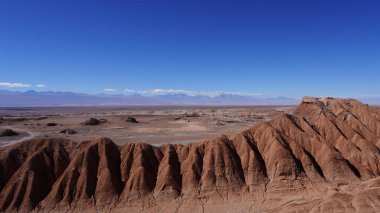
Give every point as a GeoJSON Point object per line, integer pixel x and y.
{"type": "Point", "coordinates": [8, 132]}
{"type": "Point", "coordinates": [68, 131]}
{"type": "Point", "coordinates": [323, 158]}
{"type": "Point", "coordinates": [132, 120]}
{"type": "Point", "coordinates": [94, 122]}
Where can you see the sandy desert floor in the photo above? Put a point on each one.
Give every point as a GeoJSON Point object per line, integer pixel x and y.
{"type": "Point", "coordinates": [156, 125]}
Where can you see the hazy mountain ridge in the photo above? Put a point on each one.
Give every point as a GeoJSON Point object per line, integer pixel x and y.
{"type": "Point", "coordinates": [49, 98]}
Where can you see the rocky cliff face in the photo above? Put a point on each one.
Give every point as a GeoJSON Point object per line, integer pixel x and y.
{"type": "Point", "coordinates": [325, 157]}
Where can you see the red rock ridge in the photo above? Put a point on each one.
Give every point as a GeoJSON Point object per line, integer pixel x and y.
{"type": "Point", "coordinates": [291, 161]}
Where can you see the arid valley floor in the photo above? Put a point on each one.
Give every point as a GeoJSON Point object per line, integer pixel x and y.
{"type": "Point", "coordinates": [156, 125]}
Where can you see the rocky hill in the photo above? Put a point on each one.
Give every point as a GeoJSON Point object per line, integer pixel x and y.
{"type": "Point", "coordinates": [323, 158]}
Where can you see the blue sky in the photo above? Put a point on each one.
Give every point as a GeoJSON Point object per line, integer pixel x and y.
{"type": "Point", "coordinates": [268, 47]}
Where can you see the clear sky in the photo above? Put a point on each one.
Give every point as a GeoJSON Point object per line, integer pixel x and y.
{"type": "Point", "coordinates": [271, 47]}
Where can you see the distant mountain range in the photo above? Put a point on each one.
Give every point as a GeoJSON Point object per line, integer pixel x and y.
{"type": "Point", "coordinates": [49, 98]}
{"type": "Point", "coordinates": [32, 98]}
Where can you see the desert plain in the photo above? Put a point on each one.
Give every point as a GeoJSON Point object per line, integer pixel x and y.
{"type": "Point", "coordinates": [155, 125]}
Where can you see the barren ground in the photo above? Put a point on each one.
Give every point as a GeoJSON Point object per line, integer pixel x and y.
{"type": "Point", "coordinates": [157, 125]}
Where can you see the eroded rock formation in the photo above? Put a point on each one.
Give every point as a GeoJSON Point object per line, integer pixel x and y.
{"type": "Point", "coordinates": [323, 158]}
